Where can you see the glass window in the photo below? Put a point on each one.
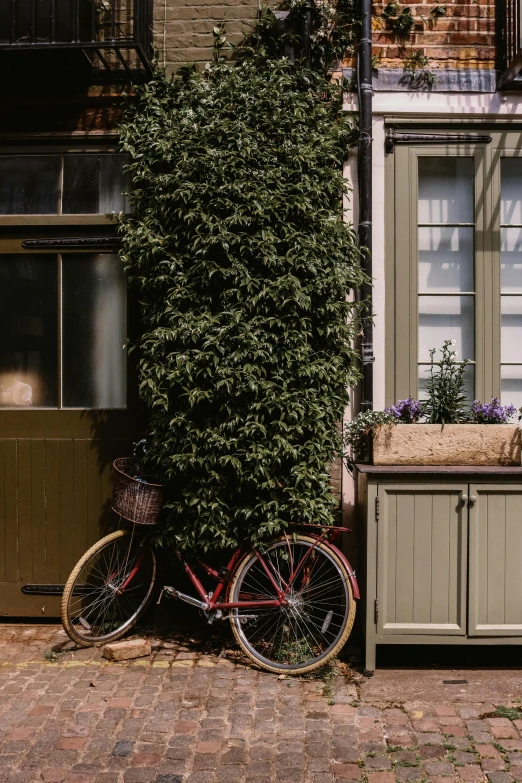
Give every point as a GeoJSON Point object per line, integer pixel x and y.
{"type": "Point", "coordinates": [94, 331]}
{"type": "Point", "coordinates": [28, 331]}
{"type": "Point", "coordinates": [469, 381]}
{"type": "Point", "coordinates": [29, 184]}
{"type": "Point", "coordinates": [511, 385]}
{"type": "Point", "coordinates": [446, 318]}
{"type": "Point", "coordinates": [92, 184]}
{"type": "Point", "coordinates": [445, 259]}
{"type": "Point", "coordinates": [511, 280]}
{"type": "Point", "coordinates": [511, 194]}
{"type": "Point", "coordinates": [445, 190]}
{"type": "Point", "coordinates": [91, 370]}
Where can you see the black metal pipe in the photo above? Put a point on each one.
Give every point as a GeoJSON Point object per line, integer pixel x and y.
{"type": "Point", "coordinates": [364, 82]}
{"type": "Point", "coordinates": [307, 31]}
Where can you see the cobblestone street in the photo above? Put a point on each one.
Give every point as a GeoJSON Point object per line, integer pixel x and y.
{"type": "Point", "coordinates": [189, 715]}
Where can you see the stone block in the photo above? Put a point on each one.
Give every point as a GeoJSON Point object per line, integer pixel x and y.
{"type": "Point", "coordinates": [125, 651]}
{"type": "Point", "coordinates": [455, 444]}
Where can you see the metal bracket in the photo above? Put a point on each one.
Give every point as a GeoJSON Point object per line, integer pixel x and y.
{"type": "Point", "coordinates": [43, 589]}
{"type": "Point", "coordinates": [81, 243]}
{"type": "Point", "coordinates": [376, 611]}
{"type": "Point", "coordinates": [377, 508]}
{"type": "Point", "coordinates": [394, 137]}
{"type": "Point", "coordinates": [367, 353]}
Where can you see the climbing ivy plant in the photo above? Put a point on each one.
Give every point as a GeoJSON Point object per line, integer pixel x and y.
{"type": "Point", "coordinates": [243, 266]}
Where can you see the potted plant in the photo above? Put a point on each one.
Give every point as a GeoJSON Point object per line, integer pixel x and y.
{"type": "Point", "coordinates": [451, 433]}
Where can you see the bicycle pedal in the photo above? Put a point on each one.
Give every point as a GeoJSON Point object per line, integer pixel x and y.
{"type": "Point", "coordinates": [171, 593]}
{"type": "Point", "coordinates": [243, 618]}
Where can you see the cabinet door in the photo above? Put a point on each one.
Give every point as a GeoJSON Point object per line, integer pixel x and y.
{"type": "Point", "coordinates": [422, 554]}
{"type": "Point", "coordinates": [495, 560]}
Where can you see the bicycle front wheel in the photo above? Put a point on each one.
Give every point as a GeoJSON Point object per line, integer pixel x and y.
{"type": "Point", "coordinates": [109, 589]}
{"type": "Point", "coordinates": [319, 614]}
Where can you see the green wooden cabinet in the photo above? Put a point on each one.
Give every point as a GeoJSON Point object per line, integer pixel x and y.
{"type": "Point", "coordinates": [441, 552]}
{"type": "Point", "coordinates": [495, 560]}
{"type": "Point", "coordinates": [422, 556]}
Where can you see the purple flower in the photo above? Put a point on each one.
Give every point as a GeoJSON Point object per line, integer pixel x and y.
{"type": "Point", "coordinates": [406, 411]}
{"type": "Point", "coordinates": [492, 412]}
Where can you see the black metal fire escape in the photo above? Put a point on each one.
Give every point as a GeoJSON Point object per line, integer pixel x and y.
{"type": "Point", "coordinates": [111, 38]}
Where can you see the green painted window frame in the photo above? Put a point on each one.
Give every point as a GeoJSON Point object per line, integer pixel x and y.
{"type": "Point", "coordinates": [15, 228]}
{"type": "Point", "coordinates": [401, 260]}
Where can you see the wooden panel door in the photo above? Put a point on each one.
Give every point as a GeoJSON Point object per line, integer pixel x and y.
{"type": "Point", "coordinates": [68, 408]}
{"type": "Point", "coordinates": [54, 494]}
{"type": "Point", "coordinates": [422, 553]}
{"type": "Point", "coordinates": [495, 560]}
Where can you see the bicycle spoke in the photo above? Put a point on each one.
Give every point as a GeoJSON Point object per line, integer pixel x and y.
{"type": "Point", "coordinates": [310, 621]}
{"type": "Point", "coordinates": [98, 605]}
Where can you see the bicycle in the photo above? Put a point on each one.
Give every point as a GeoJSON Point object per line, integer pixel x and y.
{"type": "Point", "coordinates": [291, 602]}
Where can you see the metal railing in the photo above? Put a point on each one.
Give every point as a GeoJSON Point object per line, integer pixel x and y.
{"type": "Point", "coordinates": [113, 33]}
{"type": "Point", "coordinates": [509, 43]}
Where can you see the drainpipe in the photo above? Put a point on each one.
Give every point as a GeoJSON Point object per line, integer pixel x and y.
{"type": "Point", "coordinates": [364, 86]}
{"type": "Point", "coordinates": [307, 30]}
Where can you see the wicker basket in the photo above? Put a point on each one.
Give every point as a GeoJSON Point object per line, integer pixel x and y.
{"type": "Point", "coordinates": [136, 497]}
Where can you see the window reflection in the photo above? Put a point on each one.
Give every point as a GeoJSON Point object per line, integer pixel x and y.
{"type": "Point", "coordinates": [511, 196]}
{"type": "Point", "coordinates": [446, 318]}
{"type": "Point", "coordinates": [445, 259]}
{"type": "Point", "coordinates": [94, 331]}
{"type": "Point", "coordinates": [93, 184]}
{"type": "Point", "coordinates": [28, 331]}
{"type": "Point", "coordinates": [445, 190]}
{"type": "Point", "coordinates": [511, 385]}
{"type": "Point", "coordinates": [29, 184]}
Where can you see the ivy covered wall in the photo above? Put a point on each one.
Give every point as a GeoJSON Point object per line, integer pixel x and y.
{"type": "Point", "coordinates": [243, 265]}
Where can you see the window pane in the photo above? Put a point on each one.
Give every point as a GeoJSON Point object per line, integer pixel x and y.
{"type": "Point", "coordinates": [445, 259]}
{"type": "Point", "coordinates": [94, 331]}
{"type": "Point", "coordinates": [511, 385]}
{"type": "Point", "coordinates": [511, 329]}
{"type": "Point", "coordinates": [511, 190]}
{"type": "Point", "coordinates": [511, 259]}
{"type": "Point", "coordinates": [469, 381]}
{"type": "Point", "coordinates": [28, 331]}
{"type": "Point", "coordinates": [446, 318]}
{"type": "Point", "coordinates": [445, 190]}
{"type": "Point", "coordinates": [29, 184]}
{"type": "Point", "coordinates": [93, 184]}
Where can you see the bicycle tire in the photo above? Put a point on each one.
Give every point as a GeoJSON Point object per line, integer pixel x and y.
{"type": "Point", "coordinates": [70, 627]}
{"type": "Point", "coordinates": [334, 647]}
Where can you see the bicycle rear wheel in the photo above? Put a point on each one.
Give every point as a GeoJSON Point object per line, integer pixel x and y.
{"type": "Point", "coordinates": [109, 589]}
{"type": "Point", "coordinates": [319, 615]}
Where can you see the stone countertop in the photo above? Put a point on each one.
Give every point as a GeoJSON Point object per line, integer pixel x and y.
{"type": "Point", "coordinates": [442, 470]}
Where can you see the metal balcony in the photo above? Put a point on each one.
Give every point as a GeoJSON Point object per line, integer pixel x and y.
{"type": "Point", "coordinates": [109, 38]}
{"type": "Point", "coordinates": [509, 44]}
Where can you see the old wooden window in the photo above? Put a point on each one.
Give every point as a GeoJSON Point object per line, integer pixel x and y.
{"type": "Point", "coordinates": [63, 319]}
{"type": "Point", "coordinates": [454, 264]}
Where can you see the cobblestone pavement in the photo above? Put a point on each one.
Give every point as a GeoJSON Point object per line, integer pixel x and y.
{"type": "Point", "coordinates": [191, 715]}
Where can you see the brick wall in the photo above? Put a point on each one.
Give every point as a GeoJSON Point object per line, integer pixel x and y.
{"type": "Point", "coordinates": [463, 38]}
{"type": "Point", "coordinates": [183, 28]}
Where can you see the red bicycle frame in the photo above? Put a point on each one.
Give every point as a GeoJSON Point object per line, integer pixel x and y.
{"type": "Point", "coordinates": [281, 590]}
{"type": "Point", "coordinates": [223, 578]}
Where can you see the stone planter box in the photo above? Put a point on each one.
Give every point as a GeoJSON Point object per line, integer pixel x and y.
{"type": "Point", "coordinates": [455, 444]}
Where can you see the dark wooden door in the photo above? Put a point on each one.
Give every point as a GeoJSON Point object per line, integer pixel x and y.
{"type": "Point", "coordinates": [68, 406]}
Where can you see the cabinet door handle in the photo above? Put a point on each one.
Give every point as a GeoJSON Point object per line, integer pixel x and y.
{"type": "Point", "coordinates": [464, 497]}
{"type": "Point", "coordinates": [473, 499]}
